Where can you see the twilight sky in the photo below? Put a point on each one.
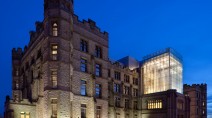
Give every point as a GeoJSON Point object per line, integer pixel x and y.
{"type": "Point", "coordinates": [136, 28]}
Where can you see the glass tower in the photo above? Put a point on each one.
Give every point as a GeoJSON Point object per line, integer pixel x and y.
{"type": "Point", "coordinates": [162, 71]}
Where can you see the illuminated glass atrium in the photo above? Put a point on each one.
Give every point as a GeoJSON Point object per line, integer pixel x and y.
{"type": "Point", "coordinates": [162, 71]}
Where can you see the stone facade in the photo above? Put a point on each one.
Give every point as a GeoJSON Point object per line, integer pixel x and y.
{"type": "Point", "coordinates": [198, 100]}
{"type": "Point", "coordinates": [65, 72]}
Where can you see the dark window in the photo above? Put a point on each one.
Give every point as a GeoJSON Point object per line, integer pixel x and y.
{"type": "Point", "coordinates": [117, 101]}
{"type": "Point", "coordinates": [83, 88]}
{"type": "Point", "coordinates": [117, 88]}
{"type": "Point", "coordinates": [54, 52]}
{"type": "Point", "coordinates": [83, 65]}
{"type": "Point", "coordinates": [98, 70]}
{"type": "Point", "coordinates": [98, 52]}
{"type": "Point", "coordinates": [98, 90]}
{"type": "Point", "coordinates": [135, 105]}
{"type": "Point", "coordinates": [127, 103]}
{"type": "Point", "coordinates": [39, 54]}
{"type": "Point", "coordinates": [98, 112]}
{"type": "Point", "coordinates": [117, 75]}
{"type": "Point", "coordinates": [84, 46]}
{"type": "Point", "coordinates": [135, 81]}
{"type": "Point", "coordinates": [83, 110]}
{"type": "Point", "coordinates": [127, 78]}
{"type": "Point", "coordinates": [108, 72]}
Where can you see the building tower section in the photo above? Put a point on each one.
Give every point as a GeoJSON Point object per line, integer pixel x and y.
{"type": "Point", "coordinates": [162, 71]}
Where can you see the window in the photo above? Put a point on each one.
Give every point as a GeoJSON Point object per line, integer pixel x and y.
{"type": "Point", "coordinates": [98, 90]}
{"type": "Point", "coordinates": [127, 116]}
{"type": "Point", "coordinates": [16, 85]}
{"type": "Point", "coordinates": [98, 70]}
{"type": "Point", "coordinates": [127, 78]}
{"type": "Point", "coordinates": [126, 90]}
{"type": "Point", "coordinates": [98, 112]}
{"type": "Point", "coordinates": [54, 108]}
{"type": "Point", "coordinates": [39, 54]}
{"type": "Point", "coordinates": [98, 52]}
{"type": "Point", "coordinates": [154, 104]}
{"type": "Point", "coordinates": [135, 116]}
{"type": "Point", "coordinates": [16, 73]}
{"type": "Point", "coordinates": [108, 72]}
{"type": "Point", "coordinates": [180, 105]}
{"type": "Point", "coordinates": [54, 78]}
{"type": "Point", "coordinates": [197, 111]}
{"type": "Point", "coordinates": [83, 88]}
{"type": "Point", "coordinates": [118, 115]}
{"type": "Point", "coordinates": [135, 81]}
{"type": "Point", "coordinates": [135, 105]}
{"type": "Point", "coordinates": [117, 88]}
{"type": "Point", "coordinates": [135, 92]}
{"type": "Point", "coordinates": [25, 115]}
{"type": "Point", "coordinates": [127, 103]}
{"type": "Point", "coordinates": [117, 75]}
{"type": "Point", "coordinates": [55, 29]}
{"type": "Point", "coordinates": [83, 110]}
{"type": "Point", "coordinates": [117, 101]}
{"type": "Point", "coordinates": [54, 52]}
{"type": "Point", "coordinates": [84, 46]}
{"type": "Point", "coordinates": [83, 65]}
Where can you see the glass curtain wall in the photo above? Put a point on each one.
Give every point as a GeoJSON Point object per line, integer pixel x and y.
{"type": "Point", "coordinates": [161, 73]}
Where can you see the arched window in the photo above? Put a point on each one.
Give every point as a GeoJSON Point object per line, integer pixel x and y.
{"type": "Point", "coordinates": [55, 29]}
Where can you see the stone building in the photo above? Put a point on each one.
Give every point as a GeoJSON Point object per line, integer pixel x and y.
{"type": "Point", "coordinates": [65, 72]}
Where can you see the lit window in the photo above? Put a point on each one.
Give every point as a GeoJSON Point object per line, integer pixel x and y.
{"type": "Point", "coordinates": [98, 70]}
{"type": "Point", "coordinates": [54, 108]}
{"type": "Point", "coordinates": [55, 29]}
{"type": "Point", "coordinates": [117, 75]}
{"type": "Point", "coordinates": [154, 104]}
{"type": "Point", "coordinates": [83, 65]}
{"type": "Point", "coordinates": [25, 115]}
{"type": "Point", "coordinates": [84, 46]}
{"type": "Point", "coordinates": [83, 110]}
{"type": "Point", "coordinates": [117, 88]}
{"type": "Point", "coordinates": [135, 92]}
{"type": "Point", "coordinates": [117, 101]}
{"type": "Point", "coordinates": [98, 52]}
{"type": "Point", "coordinates": [54, 52]}
{"type": "Point", "coordinates": [83, 88]}
{"type": "Point", "coordinates": [126, 90]}
{"type": "Point", "coordinates": [54, 78]}
{"type": "Point", "coordinates": [98, 90]}
{"type": "Point", "coordinates": [98, 112]}
{"type": "Point", "coordinates": [16, 72]}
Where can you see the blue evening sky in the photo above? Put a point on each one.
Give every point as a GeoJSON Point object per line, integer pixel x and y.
{"type": "Point", "coordinates": [136, 28]}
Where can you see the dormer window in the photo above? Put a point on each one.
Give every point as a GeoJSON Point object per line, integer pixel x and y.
{"type": "Point", "coordinates": [55, 29]}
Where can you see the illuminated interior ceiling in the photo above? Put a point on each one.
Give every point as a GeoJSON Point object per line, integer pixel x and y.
{"type": "Point", "coordinates": [162, 71]}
